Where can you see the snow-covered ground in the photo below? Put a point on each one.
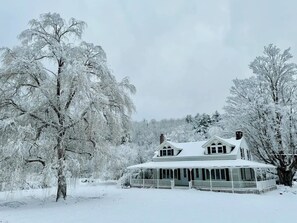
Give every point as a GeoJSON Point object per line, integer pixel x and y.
{"type": "Point", "coordinates": [106, 202]}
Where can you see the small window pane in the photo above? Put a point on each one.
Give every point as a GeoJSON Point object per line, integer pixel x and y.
{"type": "Point", "coordinates": [220, 149]}
{"type": "Point", "coordinates": [169, 152]}
{"type": "Point", "coordinates": [213, 149]}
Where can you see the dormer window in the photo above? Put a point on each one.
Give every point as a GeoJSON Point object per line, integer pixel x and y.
{"type": "Point", "coordinates": [216, 148]}
{"type": "Point", "coordinates": [167, 151]}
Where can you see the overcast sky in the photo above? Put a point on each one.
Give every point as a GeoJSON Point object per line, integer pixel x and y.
{"type": "Point", "coordinates": [181, 55]}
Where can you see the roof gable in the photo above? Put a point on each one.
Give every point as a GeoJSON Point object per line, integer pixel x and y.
{"type": "Point", "coordinates": [166, 144]}
{"type": "Point", "coordinates": [218, 139]}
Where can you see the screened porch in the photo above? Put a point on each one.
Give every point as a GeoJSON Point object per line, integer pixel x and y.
{"type": "Point", "coordinates": [253, 178]}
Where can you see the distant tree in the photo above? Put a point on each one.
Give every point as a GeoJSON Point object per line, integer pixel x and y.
{"type": "Point", "coordinates": [189, 119]}
{"type": "Point", "coordinates": [59, 97]}
{"type": "Point", "coordinates": [264, 107]}
{"type": "Point", "coordinates": [201, 123]}
{"type": "Point", "coordinates": [216, 117]}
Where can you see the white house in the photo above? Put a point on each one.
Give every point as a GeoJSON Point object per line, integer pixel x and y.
{"type": "Point", "coordinates": [217, 164]}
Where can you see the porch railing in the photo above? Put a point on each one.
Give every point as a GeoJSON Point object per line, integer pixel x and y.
{"type": "Point", "coordinates": [266, 184]}
{"type": "Point", "coordinates": [166, 183]}
{"type": "Point", "coordinates": [223, 184]}
{"type": "Point", "coordinates": [207, 184]}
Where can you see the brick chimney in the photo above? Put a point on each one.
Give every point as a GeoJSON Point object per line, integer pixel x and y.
{"type": "Point", "coordinates": [238, 135]}
{"type": "Point", "coordinates": [162, 138]}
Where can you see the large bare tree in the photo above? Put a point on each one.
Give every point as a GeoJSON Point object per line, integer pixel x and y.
{"type": "Point", "coordinates": [58, 95]}
{"type": "Point", "coordinates": [264, 106]}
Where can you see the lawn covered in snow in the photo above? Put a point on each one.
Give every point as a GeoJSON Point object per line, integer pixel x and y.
{"type": "Point", "coordinates": [106, 202]}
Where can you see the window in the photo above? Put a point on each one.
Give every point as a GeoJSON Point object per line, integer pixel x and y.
{"type": "Point", "coordinates": [220, 149]}
{"type": "Point", "coordinates": [167, 174]}
{"type": "Point", "coordinates": [167, 151]}
{"type": "Point", "coordinates": [247, 174]}
{"type": "Point", "coordinates": [242, 153]}
{"type": "Point", "coordinates": [197, 173]}
{"type": "Point", "coordinates": [224, 149]}
{"type": "Point", "coordinates": [185, 173]}
{"type": "Point", "coordinates": [223, 174]}
{"type": "Point", "coordinates": [205, 174]}
{"type": "Point", "coordinates": [219, 174]}
{"type": "Point", "coordinates": [216, 148]}
{"type": "Point", "coordinates": [248, 154]}
{"type": "Point", "coordinates": [213, 149]}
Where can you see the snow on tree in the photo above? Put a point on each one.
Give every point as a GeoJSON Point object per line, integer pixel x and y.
{"type": "Point", "coordinates": [59, 100]}
{"type": "Point", "coordinates": [264, 107]}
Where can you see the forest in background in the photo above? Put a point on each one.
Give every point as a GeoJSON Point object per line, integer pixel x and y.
{"type": "Point", "coordinates": [140, 144]}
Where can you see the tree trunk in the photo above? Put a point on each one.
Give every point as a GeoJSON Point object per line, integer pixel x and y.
{"type": "Point", "coordinates": [285, 176]}
{"type": "Point", "coordinates": [62, 185]}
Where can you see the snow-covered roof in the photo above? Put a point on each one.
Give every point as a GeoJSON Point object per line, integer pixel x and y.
{"type": "Point", "coordinates": [198, 148]}
{"type": "Point", "coordinates": [216, 164]}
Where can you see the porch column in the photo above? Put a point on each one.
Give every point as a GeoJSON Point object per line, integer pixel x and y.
{"type": "Point", "coordinates": [158, 177]}
{"type": "Point", "coordinates": [231, 176]}
{"type": "Point", "coordinates": [173, 183]}
{"type": "Point", "coordinates": [255, 171]}
{"type": "Point", "coordinates": [210, 180]}
{"type": "Point", "coordinates": [130, 177]}
{"type": "Point", "coordinates": [262, 179]}
{"type": "Point", "coordinates": [191, 180]}
{"type": "Point", "coordinates": [142, 170]}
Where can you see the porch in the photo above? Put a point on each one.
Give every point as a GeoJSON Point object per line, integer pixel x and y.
{"type": "Point", "coordinates": [226, 178]}
{"type": "Point", "coordinates": [220, 186]}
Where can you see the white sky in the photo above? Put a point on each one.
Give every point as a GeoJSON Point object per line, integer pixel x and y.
{"type": "Point", "coordinates": [181, 55]}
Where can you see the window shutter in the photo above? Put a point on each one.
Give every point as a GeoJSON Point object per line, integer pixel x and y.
{"type": "Point", "coordinates": [224, 149]}
{"type": "Point", "coordinates": [208, 150]}
{"type": "Point", "coordinates": [161, 154]}
{"type": "Point", "coordinates": [160, 173]}
{"type": "Point", "coordinates": [178, 174]}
